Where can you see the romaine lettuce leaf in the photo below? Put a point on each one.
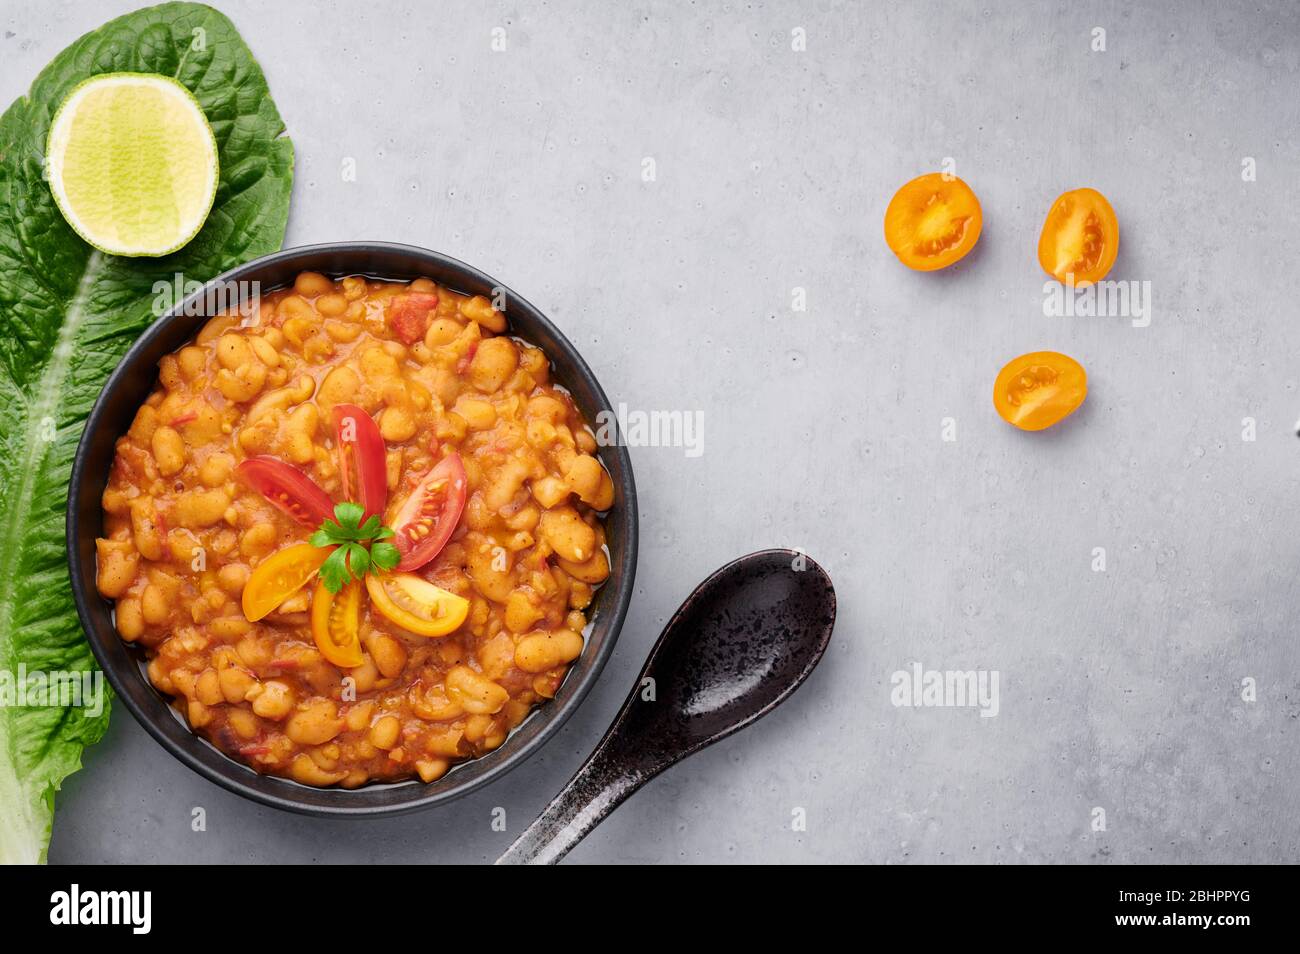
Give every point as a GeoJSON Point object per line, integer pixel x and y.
{"type": "Point", "coordinates": [67, 315]}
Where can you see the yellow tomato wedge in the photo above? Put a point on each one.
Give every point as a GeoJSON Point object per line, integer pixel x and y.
{"type": "Point", "coordinates": [415, 604]}
{"type": "Point", "coordinates": [1080, 238]}
{"type": "Point", "coordinates": [279, 576]}
{"type": "Point", "coordinates": [336, 624]}
{"type": "Point", "coordinates": [933, 221]}
{"type": "Point", "coordinates": [1036, 390]}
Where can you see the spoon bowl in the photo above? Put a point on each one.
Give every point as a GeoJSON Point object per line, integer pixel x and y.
{"type": "Point", "coordinates": [743, 641]}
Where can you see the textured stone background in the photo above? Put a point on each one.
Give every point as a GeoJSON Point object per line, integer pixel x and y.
{"type": "Point", "coordinates": [1119, 689]}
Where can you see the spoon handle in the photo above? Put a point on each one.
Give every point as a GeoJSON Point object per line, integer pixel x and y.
{"type": "Point", "coordinates": [595, 790]}
{"type": "Point", "coordinates": [744, 640]}
{"type": "Point", "coordinates": [625, 759]}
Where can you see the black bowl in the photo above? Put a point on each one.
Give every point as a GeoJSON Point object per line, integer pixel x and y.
{"type": "Point", "coordinates": [127, 389]}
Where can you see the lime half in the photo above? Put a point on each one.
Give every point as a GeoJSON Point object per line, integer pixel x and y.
{"type": "Point", "coordinates": [132, 163]}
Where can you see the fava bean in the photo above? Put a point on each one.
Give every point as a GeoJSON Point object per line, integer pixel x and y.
{"type": "Point", "coordinates": [430, 770]}
{"type": "Point", "coordinates": [583, 476]}
{"type": "Point", "coordinates": [234, 684]}
{"type": "Point", "coordinates": [168, 451]}
{"type": "Point", "coordinates": [129, 618]}
{"type": "Point", "coordinates": [274, 701]}
{"type": "Point", "coordinates": [118, 563]}
{"type": "Point", "coordinates": [216, 469]}
{"type": "Point", "coordinates": [311, 284]}
{"type": "Point", "coordinates": [389, 654]}
{"type": "Point", "coordinates": [234, 352]}
{"type": "Point", "coordinates": [567, 534]}
{"type": "Point", "coordinates": [306, 771]}
{"type": "Point", "coordinates": [385, 731]}
{"type": "Point", "coordinates": [538, 652]}
{"type": "Point", "coordinates": [494, 362]}
{"type": "Point", "coordinates": [331, 305]}
{"type": "Point", "coordinates": [201, 508]}
{"type": "Point", "coordinates": [474, 692]}
{"type": "Point", "coordinates": [315, 721]}
{"type": "Point", "coordinates": [155, 605]}
{"type": "Point", "coordinates": [480, 309]}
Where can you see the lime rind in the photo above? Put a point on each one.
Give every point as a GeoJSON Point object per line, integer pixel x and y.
{"type": "Point", "coordinates": [54, 153]}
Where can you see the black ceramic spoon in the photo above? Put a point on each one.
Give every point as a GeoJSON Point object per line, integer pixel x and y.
{"type": "Point", "coordinates": [740, 644]}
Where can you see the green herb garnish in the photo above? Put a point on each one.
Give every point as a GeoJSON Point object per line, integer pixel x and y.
{"type": "Point", "coordinates": [362, 546]}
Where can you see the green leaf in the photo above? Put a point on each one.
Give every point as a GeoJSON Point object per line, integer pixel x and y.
{"type": "Point", "coordinates": [384, 533]}
{"type": "Point", "coordinates": [348, 515]}
{"type": "Point", "coordinates": [384, 556]}
{"type": "Point", "coordinates": [67, 315]}
{"type": "Point", "coordinates": [334, 571]}
{"type": "Point", "coordinates": [358, 560]}
{"type": "Point", "coordinates": [322, 537]}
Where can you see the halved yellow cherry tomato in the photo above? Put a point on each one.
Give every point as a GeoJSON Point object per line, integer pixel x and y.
{"type": "Point", "coordinates": [1080, 238]}
{"type": "Point", "coordinates": [279, 576]}
{"type": "Point", "coordinates": [933, 221]}
{"type": "Point", "coordinates": [336, 624]}
{"type": "Point", "coordinates": [415, 604]}
{"type": "Point", "coordinates": [1036, 390]}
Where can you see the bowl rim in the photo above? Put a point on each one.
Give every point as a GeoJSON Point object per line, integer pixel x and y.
{"type": "Point", "coordinates": [237, 777]}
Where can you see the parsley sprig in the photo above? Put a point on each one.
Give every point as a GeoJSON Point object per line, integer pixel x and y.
{"type": "Point", "coordinates": [362, 546]}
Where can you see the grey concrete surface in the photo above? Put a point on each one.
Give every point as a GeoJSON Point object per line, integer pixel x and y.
{"type": "Point", "coordinates": [823, 429]}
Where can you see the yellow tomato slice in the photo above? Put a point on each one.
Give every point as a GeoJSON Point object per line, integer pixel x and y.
{"type": "Point", "coordinates": [336, 624]}
{"type": "Point", "coordinates": [933, 221]}
{"type": "Point", "coordinates": [1080, 238]}
{"type": "Point", "coordinates": [1038, 389]}
{"type": "Point", "coordinates": [415, 604]}
{"type": "Point", "coordinates": [279, 576]}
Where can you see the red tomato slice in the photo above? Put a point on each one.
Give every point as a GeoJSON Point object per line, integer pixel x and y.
{"type": "Point", "coordinates": [362, 455]}
{"type": "Point", "coordinates": [288, 488]}
{"type": "Point", "coordinates": [425, 521]}
{"type": "Point", "coordinates": [409, 314]}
